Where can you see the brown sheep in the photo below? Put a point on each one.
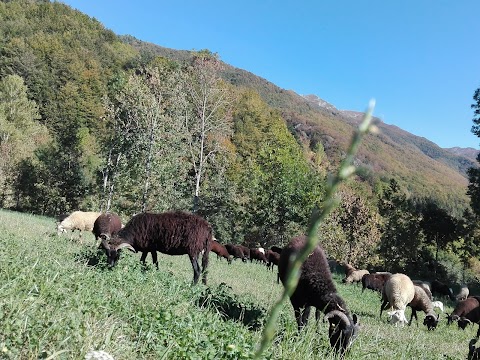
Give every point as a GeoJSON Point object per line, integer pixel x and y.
{"type": "Point", "coordinates": [221, 251]}
{"type": "Point", "coordinates": [107, 225]}
{"type": "Point", "coordinates": [375, 281]}
{"type": "Point", "coordinates": [273, 258]}
{"type": "Point", "coordinates": [172, 233]}
{"type": "Point", "coordinates": [235, 251]}
{"type": "Point", "coordinates": [256, 254]}
{"type": "Point", "coordinates": [316, 288]}
{"type": "Point", "coordinates": [422, 302]}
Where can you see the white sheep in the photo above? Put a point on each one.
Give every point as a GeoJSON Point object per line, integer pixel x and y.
{"type": "Point", "coordinates": [463, 294]}
{"type": "Point", "coordinates": [78, 220]}
{"type": "Point", "coordinates": [438, 304]}
{"type": "Point", "coordinates": [398, 292]}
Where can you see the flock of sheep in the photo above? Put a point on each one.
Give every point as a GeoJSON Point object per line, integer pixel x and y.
{"type": "Point", "coordinates": [183, 233]}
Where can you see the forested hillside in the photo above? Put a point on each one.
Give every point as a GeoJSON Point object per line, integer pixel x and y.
{"type": "Point", "coordinates": [93, 121]}
{"type": "Point", "coordinates": [421, 166]}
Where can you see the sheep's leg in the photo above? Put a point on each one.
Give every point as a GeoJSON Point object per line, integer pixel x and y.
{"type": "Point", "coordinates": [414, 314]}
{"type": "Point", "coordinates": [301, 315]}
{"type": "Point", "coordinates": [144, 256]}
{"type": "Point", "coordinates": [383, 306]}
{"type": "Point", "coordinates": [154, 258]}
{"type": "Point", "coordinates": [299, 318]}
{"type": "Point", "coordinates": [196, 268]}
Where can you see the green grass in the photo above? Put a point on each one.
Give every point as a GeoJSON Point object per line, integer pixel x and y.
{"type": "Point", "coordinates": [53, 304]}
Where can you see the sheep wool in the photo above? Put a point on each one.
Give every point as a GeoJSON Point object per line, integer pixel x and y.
{"type": "Point", "coordinates": [78, 220]}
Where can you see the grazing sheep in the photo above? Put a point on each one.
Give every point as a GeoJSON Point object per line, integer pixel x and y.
{"type": "Point", "coordinates": [106, 225]}
{"type": "Point", "coordinates": [441, 289]}
{"type": "Point", "coordinates": [221, 251]}
{"type": "Point", "coordinates": [273, 258]}
{"type": "Point", "coordinates": [462, 308]}
{"type": "Point", "coordinates": [375, 281]}
{"type": "Point", "coordinates": [78, 220]}
{"type": "Point", "coordinates": [256, 254]}
{"type": "Point", "coordinates": [235, 251]}
{"type": "Point", "coordinates": [355, 276]}
{"type": "Point", "coordinates": [421, 302]}
{"type": "Point", "coordinates": [473, 353]}
{"type": "Point", "coordinates": [172, 233]}
{"type": "Point", "coordinates": [471, 317]}
{"type": "Point", "coordinates": [349, 269]}
{"type": "Point", "coordinates": [276, 249]}
{"type": "Point", "coordinates": [246, 251]}
{"type": "Point", "coordinates": [398, 292]}
{"type": "Point", "coordinates": [425, 285]}
{"type": "Point", "coordinates": [463, 294]}
{"type": "Point", "coordinates": [316, 288]}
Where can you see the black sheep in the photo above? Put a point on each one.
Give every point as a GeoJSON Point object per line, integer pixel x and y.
{"type": "Point", "coordinates": [172, 233]}
{"type": "Point", "coordinates": [473, 352]}
{"type": "Point", "coordinates": [273, 258]}
{"type": "Point", "coordinates": [316, 288]}
{"type": "Point", "coordinates": [375, 281]}
{"type": "Point", "coordinates": [106, 225]}
{"type": "Point", "coordinates": [235, 251]}
{"type": "Point", "coordinates": [441, 289]}
{"type": "Point", "coordinates": [276, 249]}
{"type": "Point", "coordinates": [246, 251]}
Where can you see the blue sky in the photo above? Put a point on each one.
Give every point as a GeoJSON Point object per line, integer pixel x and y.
{"type": "Point", "coordinates": [420, 60]}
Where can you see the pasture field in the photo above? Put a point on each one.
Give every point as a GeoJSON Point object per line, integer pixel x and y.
{"type": "Point", "coordinates": [58, 300]}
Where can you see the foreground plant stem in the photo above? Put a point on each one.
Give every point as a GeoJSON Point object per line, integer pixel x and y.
{"type": "Point", "coordinates": [346, 170]}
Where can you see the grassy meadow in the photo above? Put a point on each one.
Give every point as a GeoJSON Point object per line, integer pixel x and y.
{"type": "Point", "coordinates": [58, 300]}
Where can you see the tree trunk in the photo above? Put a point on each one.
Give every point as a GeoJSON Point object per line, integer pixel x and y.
{"type": "Point", "coordinates": [148, 167]}
{"type": "Point", "coordinates": [112, 183]}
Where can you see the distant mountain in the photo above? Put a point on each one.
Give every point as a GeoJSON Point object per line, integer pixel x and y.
{"type": "Point", "coordinates": [469, 153]}
{"type": "Point", "coordinates": [421, 166]}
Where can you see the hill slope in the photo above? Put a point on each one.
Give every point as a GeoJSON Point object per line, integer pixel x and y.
{"type": "Point", "coordinates": [421, 166]}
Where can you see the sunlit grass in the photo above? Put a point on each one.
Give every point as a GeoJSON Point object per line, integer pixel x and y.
{"type": "Point", "coordinates": [52, 301]}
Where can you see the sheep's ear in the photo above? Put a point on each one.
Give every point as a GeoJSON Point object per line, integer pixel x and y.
{"type": "Point", "coordinates": [355, 319]}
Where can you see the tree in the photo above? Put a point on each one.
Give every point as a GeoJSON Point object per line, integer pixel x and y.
{"type": "Point", "coordinates": [147, 144]}
{"type": "Point", "coordinates": [401, 239]}
{"type": "Point", "coordinates": [207, 120]}
{"type": "Point", "coordinates": [20, 132]}
{"type": "Point", "coordinates": [278, 187]}
{"type": "Point", "coordinates": [439, 227]}
{"type": "Point", "coordinates": [352, 232]}
{"type": "Point", "coordinates": [474, 172]}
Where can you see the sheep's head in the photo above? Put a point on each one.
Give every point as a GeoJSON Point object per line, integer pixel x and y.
{"type": "Point", "coordinates": [431, 321]}
{"type": "Point", "coordinates": [463, 322]}
{"type": "Point", "coordinates": [451, 318]}
{"type": "Point", "coordinates": [342, 331]}
{"type": "Point", "coordinates": [397, 317]}
{"type": "Point", "coordinates": [112, 247]}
